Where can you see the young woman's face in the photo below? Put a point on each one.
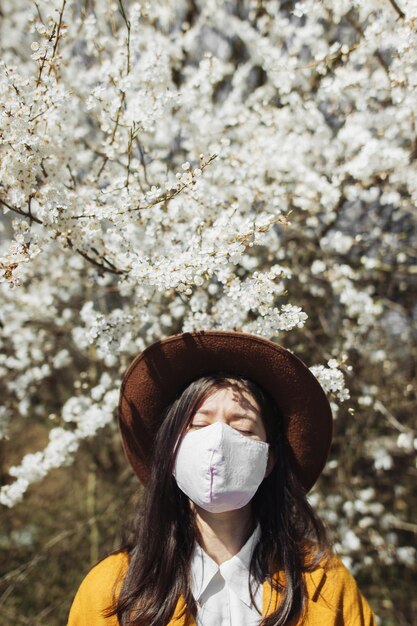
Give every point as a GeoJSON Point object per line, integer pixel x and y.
{"type": "Point", "coordinates": [234, 406]}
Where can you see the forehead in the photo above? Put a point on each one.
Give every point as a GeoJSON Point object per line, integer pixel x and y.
{"type": "Point", "coordinates": [233, 394]}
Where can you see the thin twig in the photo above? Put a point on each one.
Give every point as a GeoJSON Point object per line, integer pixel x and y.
{"type": "Point", "coordinates": [57, 35]}
{"type": "Point", "coordinates": [94, 262]}
{"type": "Point", "coordinates": [357, 26]}
{"type": "Point", "coordinates": [397, 523]}
{"type": "Point", "coordinates": [44, 57]}
{"type": "Point", "coordinates": [112, 269]}
{"type": "Point", "coordinates": [104, 258]}
{"type": "Point", "coordinates": [123, 93]}
{"type": "Point", "coordinates": [163, 198]}
{"type": "Point", "coordinates": [113, 135]}
{"type": "Point", "coordinates": [397, 9]}
{"type": "Point", "coordinates": [30, 216]}
{"type": "Point", "coordinates": [129, 157]}
{"type": "Point", "coordinates": [335, 56]}
{"type": "Point", "coordinates": [50, 106]}
{"type": "Point", "coordinates": [74, 181]}
{"type": "Point", "coordinates": [391, 418]}
{"type": "Point", "coordinates": [142, 160]}
{"type": "Point", "coordinates": [127, 22]}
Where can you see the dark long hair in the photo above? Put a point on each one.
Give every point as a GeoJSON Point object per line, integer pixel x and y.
{"type": "Point", "coordinates": [293, 539]}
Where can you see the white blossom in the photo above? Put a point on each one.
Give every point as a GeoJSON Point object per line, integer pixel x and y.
{"type": "Point", "coordinates": [331, 379]}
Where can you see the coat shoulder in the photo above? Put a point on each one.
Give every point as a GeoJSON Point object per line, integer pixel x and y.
{"type": "Point", "coordinates": [98, 591]}
{"type": "Point", "coordinates": [332, 587]}
{"type": "Point", "coordinates": [109, 568]}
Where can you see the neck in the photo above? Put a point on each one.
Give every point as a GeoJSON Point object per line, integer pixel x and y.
{"type": "Point", "coordinates": [224, 534]}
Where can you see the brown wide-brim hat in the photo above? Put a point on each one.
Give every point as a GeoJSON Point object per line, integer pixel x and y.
{"type": "Point", "coordinates": [158, 375]}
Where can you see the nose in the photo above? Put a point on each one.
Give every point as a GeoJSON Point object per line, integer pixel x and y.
{"type": "Point", "coordinates": [220, 417]}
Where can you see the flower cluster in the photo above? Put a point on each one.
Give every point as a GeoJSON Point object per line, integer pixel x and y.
{"type": "Point", "coordinates": [63, 444]}
{"type": "Point", "coordinates": [21, 250]}
{"type": "Point", "coordinates": [332, 379]}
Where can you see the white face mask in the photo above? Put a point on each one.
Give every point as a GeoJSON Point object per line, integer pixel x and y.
{"type": "Point", "coordinates": [218, 468]}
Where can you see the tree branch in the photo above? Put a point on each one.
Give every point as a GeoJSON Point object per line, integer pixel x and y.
{"type": "Point", "coordinates": [112, 269]}
{"type": "Point", "coordinates": [397, 9]}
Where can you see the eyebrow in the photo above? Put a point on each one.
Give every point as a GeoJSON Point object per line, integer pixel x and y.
{"type": "Point", "coordinates": [235, 415]}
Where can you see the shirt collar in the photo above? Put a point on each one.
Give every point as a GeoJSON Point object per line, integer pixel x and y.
{"type": "Point", "coordinates": [235, 570]}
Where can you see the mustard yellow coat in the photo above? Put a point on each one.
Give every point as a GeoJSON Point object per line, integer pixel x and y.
{"type": "Point", "coordinates": [333, 597]}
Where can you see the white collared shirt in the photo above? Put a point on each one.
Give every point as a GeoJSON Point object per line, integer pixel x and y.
{"type": "Point", "coordinates": [222, 591]}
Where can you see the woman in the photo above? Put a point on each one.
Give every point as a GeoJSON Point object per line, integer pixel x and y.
{"type": "Point", "coordinates": [229, 432]}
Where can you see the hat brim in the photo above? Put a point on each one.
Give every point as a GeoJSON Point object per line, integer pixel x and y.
{"type": "Point", "coordinates": [158, 374]}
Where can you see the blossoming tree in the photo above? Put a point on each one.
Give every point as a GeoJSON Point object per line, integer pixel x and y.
{"type": "Point", "coordinates": [186, 165]}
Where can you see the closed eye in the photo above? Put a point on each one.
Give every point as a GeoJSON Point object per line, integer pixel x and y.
{"type": "Point", "coordinates": [239, 430]}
